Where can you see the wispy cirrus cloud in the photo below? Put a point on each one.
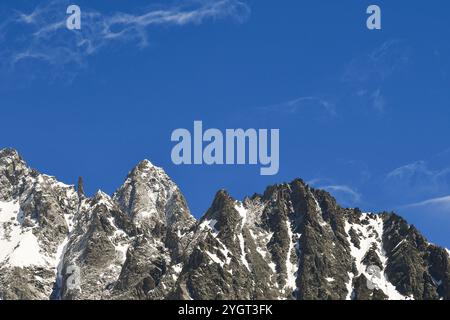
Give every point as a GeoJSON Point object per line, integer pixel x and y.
{"type": "Point", "coordinates": [345, 194]}
{"type": "Point", "coordinates": [419, 178]}
{"type": "Point", "coordinates": [437, 209]}
{"type": "Point", "coordinates": [442, 204]}
{"type": "Point", "coordinates": [379, 64]}
{"type": "Point", "coordinates": [378, 100]}
{"type": "Point", "coordinates": [301, 103]}
{"type": "Point", "coordinates": [43, 35]}
{"type": "Point", "coordinates": [361, 83]}
{"type": "Point", "coordinates": [366, 74]}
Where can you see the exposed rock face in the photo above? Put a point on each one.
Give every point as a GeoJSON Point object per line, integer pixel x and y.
{"type": "Point", "coordinates": [80, 188]}
{"type": "Point", "coordinates": [292, 242]}
{"type": "Point", "coordinates": [34, 214]}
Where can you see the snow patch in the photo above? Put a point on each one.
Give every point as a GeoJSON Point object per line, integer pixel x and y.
{"type": "Point", "coordinates": [370, 235]}
{"type": "Point", "coordinates": [177, 268]}
{"type": "Point", "coordinates": [27, 252]}
{"type": "Point", "coordinates": [273, 266]}
{"type": "Point", "coordinates": [18, 246]}
{"type": "Point", "coordinates": [398, 245]}
{"type": "Point", "coordinates": [322, 223]}
{"type": "Point", "coordinates": [349, 286]}
{"type": "Point", "coordinates": [243, 213]}
{"type": "Point", "coordinates": [119, 241]}
{"type": "Point", "coordinates": [243, 254]}
{"type": "Point", "coordinates": [261, 239]}
{"type": "Point", "coordinates": [215, 258]}
{"type": "Point", "coordinates": [224, 250]}
{"type": "Point", "coordinates": [291, 267]}
{"type": "Point", "coordinates": [9, 211]}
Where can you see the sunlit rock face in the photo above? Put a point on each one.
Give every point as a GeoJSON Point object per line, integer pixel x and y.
{"type": "Point", "coordinates": [291, 242]}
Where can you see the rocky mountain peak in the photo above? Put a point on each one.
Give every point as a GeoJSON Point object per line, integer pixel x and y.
{"type": "Point", "coordinates": [146, 164]}
{"type": "Point", "coordinates": [145, 167]}
{"type": "Point", "coordinates": [150, 197]}
{"type": "Point", "coordinates": [101, 197]}
{"type": "Point", "coordinates": [11, 162]}
{"type": "Point", "coordinates": [223, 215]}
{"type": "Point", "coordinates": [291, 242]}
{"type": "Point", "coordinates": [222, 201]}
{"type": "Point", "coordinates": [14, 173]}
{"type": "Point", "coordinates": [9, 153]}
{"type": "Point", "coordinates": [80, 188]}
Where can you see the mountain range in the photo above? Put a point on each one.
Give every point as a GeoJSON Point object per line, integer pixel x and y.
{"type": "Point", "coordinates": [140, 243]}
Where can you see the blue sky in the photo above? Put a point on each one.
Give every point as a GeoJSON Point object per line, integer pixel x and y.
{"type": "Point", "coordinates": [363, 114]}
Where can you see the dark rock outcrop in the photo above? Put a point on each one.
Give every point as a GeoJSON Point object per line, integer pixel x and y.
{"type": "Point", "coordinates": [291, 242]}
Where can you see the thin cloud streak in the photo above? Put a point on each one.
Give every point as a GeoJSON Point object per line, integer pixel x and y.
{"type": "Point", "coordinates": [362, 82]}
{"type": "Point", "coordinates": [366, 74]}
{"type": "Point", "coordinates": [346, 194]}
{"type": "Point", "coordinates": [300, 103]}
{"type": "Point", "coordinates": [420, 178]}
{"type": "Point", "coordinates": [355, 196]}
{"type": "Point", "coordinates": [441, 204]}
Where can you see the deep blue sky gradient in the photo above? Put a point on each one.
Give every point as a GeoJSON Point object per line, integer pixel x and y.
{"type": "Point", "coordinates": [367, 103]}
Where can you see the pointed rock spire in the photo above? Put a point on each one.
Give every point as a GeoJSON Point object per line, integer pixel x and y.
{"type": "Point", "coordinates": [80, 188]}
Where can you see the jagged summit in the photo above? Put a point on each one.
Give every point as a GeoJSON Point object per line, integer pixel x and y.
{"type": "Point", "coordinates": [9, 153]}
{"type": "Point", "coordinates": [146, 164]}
{"type": "Point", "coordinates": [291, 242]}
{"type": "Point", "coordinates": [150, 197]}
{"type": "Point", "coordinates": [11, 161]}
{"type": "Point", "coordinates": [145, 167]}
{"type": "Point", "coordinates": [101, 196]}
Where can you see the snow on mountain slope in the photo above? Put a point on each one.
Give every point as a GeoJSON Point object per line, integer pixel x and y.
{"type": "Point", "coordinates": [369, 230]}
{"type": "Point", "coordinates": [9, 239]}
{"type": "Point", "coordinates": [291, 267]}
{"type": "Point", "coordinates": [291, 242]}
{"type": "Point", "coordinates": [19, 247]}
{"type": "Point", "coordinates": [239, 207]}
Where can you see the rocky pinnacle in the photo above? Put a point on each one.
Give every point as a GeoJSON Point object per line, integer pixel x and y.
{"type": "Point", "coordinates": [290, 242]}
